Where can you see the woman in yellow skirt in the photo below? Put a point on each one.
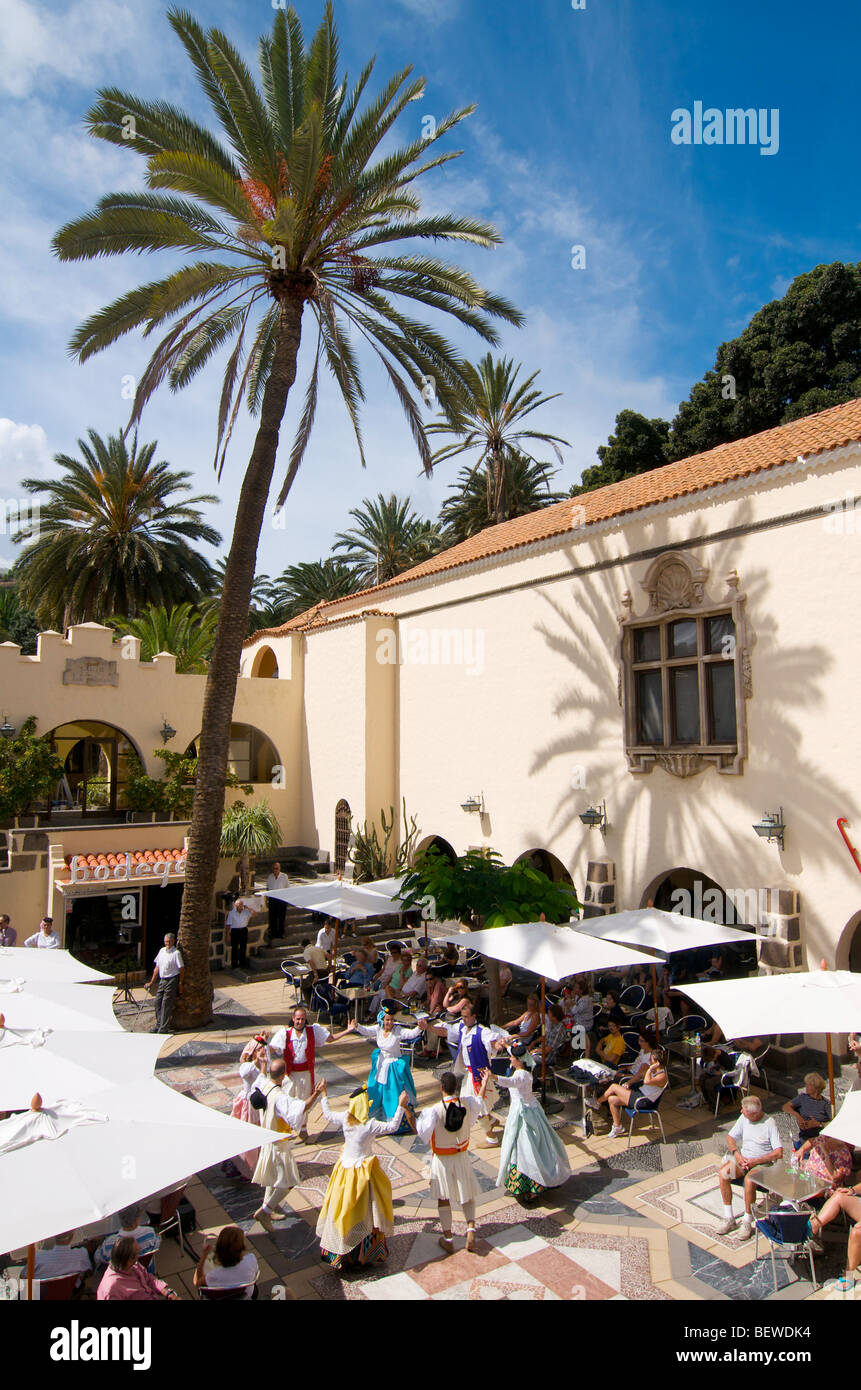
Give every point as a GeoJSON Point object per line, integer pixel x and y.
{"type": "Point", "coordinates": [357, 1213]}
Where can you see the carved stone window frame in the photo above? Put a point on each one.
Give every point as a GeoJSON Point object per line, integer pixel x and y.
{"type": "Point", "coordinates": [675, 585]}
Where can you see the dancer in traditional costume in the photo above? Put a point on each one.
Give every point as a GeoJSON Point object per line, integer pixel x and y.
{"type": "Point", "coordinates": [446, 1127]}
{"type": "Point", "coordinates": [357, 1212]}
{"type": "Point", "coordinates": [474, 1044]}
{"type": "Point", "coordinates": [253, 1061]}
{"type": "Point", "coordinates": [532, 1157]}
{"type": "Point", "coordinates": [276, 1169]}
{"type": "Point", "coordinates": [390, 1076]}
{"type": "Point", "coordinates": [298, 1045]}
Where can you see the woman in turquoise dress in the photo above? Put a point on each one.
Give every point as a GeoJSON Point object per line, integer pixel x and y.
{"type": "Point", "coordinates": [390, 1072]}
{"type": "Point", "coordinates": [532, 1157]}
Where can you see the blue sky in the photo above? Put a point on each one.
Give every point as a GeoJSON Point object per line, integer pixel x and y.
{"type": "Point", "coordinates": [570, 145]}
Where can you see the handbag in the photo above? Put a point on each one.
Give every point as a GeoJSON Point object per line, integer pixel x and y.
{"type": "Point", "coordinates": [257, 1100]}
{"type": "Point", "coordinates": [454, 1117]}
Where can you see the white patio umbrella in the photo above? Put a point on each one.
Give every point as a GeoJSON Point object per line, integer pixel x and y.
{"type": "Point", "coordinates": [846, 1124]}
{"type": "Point", "coordinates": [811, 1001]}
{"type": "Point", "coordinates": [32, 1004]}
{"type": "Point", "coordinates": [68, 1064]}
{"type": "Point", "coordinates": [73, 1164]}
{"type": "Point", "coordinates": [343, 901]}
{"type": "Point", "coordinates": [57, 967]}
{"type": "Point", "coordinates": [664, 932]}
{"type": "Point", "coordinates": [549, 951]}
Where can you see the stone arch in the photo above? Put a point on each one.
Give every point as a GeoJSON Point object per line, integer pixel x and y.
{"type": "Point", "coordinates": [265, 664]}
{"type": "Point", "coordinates": [252, 755]}
{"type": "Point", "coordinates": [848, 953]}
{"type": "Point", "coordinates": [96, 762]}
{"type": "Point", "coordinates": [435, 842]}
{"type": "Point", "coordinates": [547, 863]}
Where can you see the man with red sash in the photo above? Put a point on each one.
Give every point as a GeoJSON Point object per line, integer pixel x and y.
{"type": "Point", "coordinates": [298, 1046]}
{"type": "Point", "coordinates": [446, 1127]}
{"type": "Point", "coordinates": [474, 1043]}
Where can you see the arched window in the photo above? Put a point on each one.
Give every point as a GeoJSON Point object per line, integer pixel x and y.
{"type": "Point", "coordinates": [265, 664]}
{"type": "Point", "coordinates": [435, 842]}
{"type": "Point", "coordinates": [548, 864]}
{"type": "Point", "coordinates": [343, 821]}
{"type": "Point", "coordinates": [96, 760]}
{"type": "Point", "coordinates": [252, 756]}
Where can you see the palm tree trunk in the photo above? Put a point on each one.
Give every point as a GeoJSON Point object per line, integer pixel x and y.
{"type": "Point", "coordinates": [194, 1007]}
{"type": "Point", "coordinates": [498, 485]}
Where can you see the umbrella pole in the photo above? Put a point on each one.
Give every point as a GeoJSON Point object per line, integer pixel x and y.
{"type": "Point", "coordinates": [335, 954]}
{"type": "Point", "coordinates": [655, 1002]}
{"type": "Point", "coordinates": [549, 1105]}
{"type": "Point", "coordinates": [830, 1069]}
{"type": "Point", "coordinates": [31, 1265]}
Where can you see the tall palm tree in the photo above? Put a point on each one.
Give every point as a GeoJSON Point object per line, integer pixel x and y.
{"type": "Point", "coordinates": [388, 538]}
{"type": "Point", "coordinates": [302, 586]}
{"type": "Point", "coordinates": [465, 512]}
{"type": "Point", "coordinates": [113, 535]}
{"type": "Point", "coordinates": [489, 418]}
{"type": "Point", "coordinates": [182, 630]}
{"type": "Point", "coordinates": [298, 208]}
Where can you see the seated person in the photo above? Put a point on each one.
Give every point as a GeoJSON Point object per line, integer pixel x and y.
{"type": "Point", "coordinates": [527, 1024]}
{"type": "Point", "coordinates": [611, 1009]}
{"type": "Point", "coordinates": [360, 973]}
{"type": "Point", "coordinates": [715, 968]}
{"type": "Point", "coordinates": [505, 977]}
{"type": "Point", "coordinates": [660, 1018]}
{"type": "Point", "coordinates": [315, 957]}
{"type": "Point", "coordinates": [416, 987]}
{"type": "Point", "coordinates": [632, 1073]}
{"type": "Point", "coordinates": [824, 1157]}
{"type": "Point", "coordinates": [58, 1257]}
{"type": "Point", "coordinates": [752, 1141]}
{"type": "Point", "coordinates": [809, 1108]}
{"type": "Point", "coordinates": [227, 1263]}
{"type": "Point", "coordinates": [557, 1034]}
{"type": "Point", "coordinates": [130, 1225]}
{"type": "Point", "coordinates": [648, 1084]}
{"type": "Point", "coordinates": [126, 1281]}
{"type": "Point", "coordinates": [449, 962]}
{"type": "Point", "coordinates": [845, 1199]}
{"type": "Point", "coordinates": [611, 1048]}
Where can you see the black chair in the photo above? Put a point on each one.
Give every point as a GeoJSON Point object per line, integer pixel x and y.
{"type": "Point", "coordinates": [323, 1001]}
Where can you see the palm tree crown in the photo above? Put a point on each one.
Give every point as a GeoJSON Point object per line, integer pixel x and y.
{"type": "Point", "coordinates": [181, 630]}
{"type": "Point", "coordinates": [489, 418]}
{"type": "Point", "coordinates": [302, 586]}
{"type": "Point", "coordinates": [113, 536]}
{"type": "Point", "coordinates": [465, 512]}
{"type": "Point", "coordinates": [388, 538]}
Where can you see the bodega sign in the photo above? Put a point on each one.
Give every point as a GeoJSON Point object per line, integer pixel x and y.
{"type": "Point", "coordinates": [124, 869]}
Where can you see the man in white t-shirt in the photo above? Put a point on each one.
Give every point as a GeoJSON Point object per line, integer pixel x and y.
{"type": "Point", "coordinates": [326, 938]}
{"type": "Point", "coordinates": [45, 938]}
{"type": "Point", "coordinates": [753, 1140]}
{"type": "Point", "coordinates": [277, 907]}
{"type": "Point", "coordinates": [59, 1259]}
{"type": "Point", "coordinates": [236, 932]}
{"type": "Point", "coordinates": [168, 969]}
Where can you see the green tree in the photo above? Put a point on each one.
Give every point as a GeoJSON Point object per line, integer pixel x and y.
{"type": "Point", "coordinates": [637, 446]}
{"type": "Point", "coordinates": [388, 538]}
{"type": "Point", "coordinates": [479, 889]}
{"type": "Point", "coordinates": [303, 586]}
{"type": "Point", "coordinates": [173, 794]}
{"type": "Point", "coordinates": [113, 536]}
{"type": "Point", "coordinates": [29, 771]}
{"type": "Point", "coordinates": [464, 512]}
{"type": "Point", "coordinates": [305, 203]}
{"type": "Point", "coordinates": [182, 630]}
{"type": "Point", "coordinates": [488, 419]}
{"type": "Point", "coordinates": [248, 831]}
{"type": "Point", "coordinates": [17, 623]}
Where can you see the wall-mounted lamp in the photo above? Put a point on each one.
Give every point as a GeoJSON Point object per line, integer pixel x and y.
{"type": "Point", "coordinates": [772, 826]}
{"type": "Point", "coordinates": [6, 729]}
{"type": "Point", "coordinates": [595, 817]}
{"type": "Point", "coordinates": [472, 805]}
{"type": "Point", "coordinates": [167, 733]}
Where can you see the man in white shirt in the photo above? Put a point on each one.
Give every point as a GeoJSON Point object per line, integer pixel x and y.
{"type": "Point", "coordinates": [59, 1259]}
{"type": "Point", "coordinates": [169, 969]}
{"type": "Point", "coordinates": [45, 938]}
{"type": "Point", "coordinates": [277, 907]}
{"type": "Point", "coordinates": [276, 1169]}
{"type": "Point", "coordinates": [474, 1044]}
{"type": "Point", "coordinates": [753, 1140]}
{"type": "Point", "coordinates": [146, 1237]}
{"type": "Point", "coordinates": [415, 988]}
{"type": "Point", "coordinates": [326, 938]}
{"type": "Point", "coordinates": [299, 1045]}
{"type": "Point", "coordinates": [315, 957]}
{"type": "Point", "coordinates": [236, 932]}
{"type": "Point", "coordinates": [451, 1171]}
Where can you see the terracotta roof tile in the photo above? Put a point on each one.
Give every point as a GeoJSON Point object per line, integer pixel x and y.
{"type": "Point", "coordinates": [814, 434]}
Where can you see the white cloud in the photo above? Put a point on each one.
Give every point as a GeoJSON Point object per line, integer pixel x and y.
{"type": "Point", "coordinates": [42, 43]}
{"type": "Point", "coordinates": [24, 453]}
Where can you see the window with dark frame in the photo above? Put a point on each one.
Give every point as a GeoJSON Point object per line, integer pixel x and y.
{"type": "Point", "coordinates": [684, 684]}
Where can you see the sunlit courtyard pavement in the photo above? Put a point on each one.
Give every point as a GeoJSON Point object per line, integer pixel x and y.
{"type": "Point", "coordinates": [628, 1224]}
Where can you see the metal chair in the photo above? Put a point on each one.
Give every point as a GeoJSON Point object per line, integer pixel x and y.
{"type": "Point", "coordinates": [227, 1295]}
{"type": "Point", "coordinates": [732, 1083]}
{"type": "Point", "coordinates": [757, 1064]}
{"type": "Point", "coordinates": [650, 1109]}
{"type": "Point", "coordinates": [291, 969]}
{"type": "Point", "coordinates": [788, 1233]}
{"type": "Point", "coordinates": [323, 1003]}
{"type": "Point", "coordinates": [634, 997]}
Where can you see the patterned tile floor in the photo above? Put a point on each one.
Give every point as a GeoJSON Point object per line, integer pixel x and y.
{"type": "Point", "coordinates": [629, 1224]}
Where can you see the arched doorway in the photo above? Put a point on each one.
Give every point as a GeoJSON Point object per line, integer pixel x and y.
{"type": "Point", "coordinates": [343, 822]}
{"type": "Point", "coordinates": [97, 761]}
{"type": "Point", "coordinates": [265, 664]}
{"type": "Point", "coordinates": [848, 954]}
{"type": "Point", "coordinates": [435, 842]}
{"type": "Point", "coordinates": [548, 864]}
{"type": "Point", "coordinates": [694, 894]}
{"type": "Point", "coordinates": [252, 756]}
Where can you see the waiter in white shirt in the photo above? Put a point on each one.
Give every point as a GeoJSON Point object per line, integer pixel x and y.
{"type": "Point", "coordinates": [236, 932]}
{"type": "Point", "coordinates": [45, 937]}
{"type": "Point", "coordinates": [169, 969]}
{"type": "Point", "coordinates": [298, 1045]}
{"type": "Point", "coordinates": [326, 938]}
{"type": "Point", "coordinates": [277, 908]}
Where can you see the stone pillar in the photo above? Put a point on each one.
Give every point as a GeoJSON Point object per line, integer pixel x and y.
{"type": "Point", "coordinates": [599, 894]}
{"type": "Point", "coordinates": [779, 953]}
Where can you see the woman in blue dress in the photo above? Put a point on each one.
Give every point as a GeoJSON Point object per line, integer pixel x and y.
{"type": "Point", "coordinates": [390, 1072]}
{"type": "Point", "coordinates": [532, 1157]}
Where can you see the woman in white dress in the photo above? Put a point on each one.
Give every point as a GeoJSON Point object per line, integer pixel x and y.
{"type": "Point", "coordinates": [357, 1212]}
{"type": "Point", "coordinates": [390, 1076]}
{"type": "Point", "coordinates": [255, 1052]}
{"type": "Point", "coordinates": [532, 1156]}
